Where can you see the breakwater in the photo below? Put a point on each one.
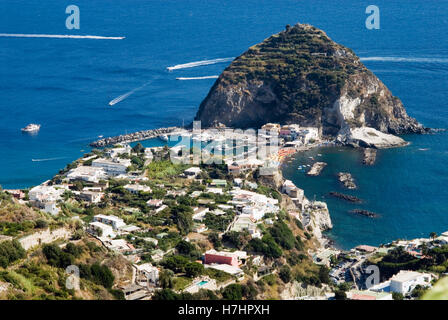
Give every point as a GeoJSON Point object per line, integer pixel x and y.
{"type": "Point", "coordinates": [132, 137]}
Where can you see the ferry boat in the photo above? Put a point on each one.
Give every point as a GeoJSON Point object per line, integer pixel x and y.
{"type": "Point", "coordinates": [31, 128]}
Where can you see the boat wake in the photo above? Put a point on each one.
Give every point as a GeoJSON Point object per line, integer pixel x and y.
{"type": "Point", "coordinates": [197, 78]}
{"type": "Point", "coordinates": [127, 94]}
{"type": "Point", "coordinates": [403, 59]}
{"type": "Point", "coordinates": [199, 63]}
{"type": "Point", "coordinates": [48, 159]}
{"type": "Point", "coordinates": [57, 36]}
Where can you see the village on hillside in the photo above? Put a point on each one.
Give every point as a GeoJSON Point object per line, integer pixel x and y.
{"type": "Point", "coordinates": [179, 230]}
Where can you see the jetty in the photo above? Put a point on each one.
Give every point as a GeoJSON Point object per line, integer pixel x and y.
{"type": "Point", "coordinates": [345, 197]}
{"type": "Point", "coordinates": [347, 180]}
{"type": "Point", "coordinates": [316, 169]}
{"type": "Point", "coordinates": [132, 137]}
{"type": "Point", "coordinates": [369, 156]}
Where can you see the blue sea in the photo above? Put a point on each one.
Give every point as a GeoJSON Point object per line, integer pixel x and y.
{"type": "Point", "coordinates": [66, 85]}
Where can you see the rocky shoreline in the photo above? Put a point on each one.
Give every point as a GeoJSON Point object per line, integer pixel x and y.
{"type": "Point", "coordinates": [132, 137]}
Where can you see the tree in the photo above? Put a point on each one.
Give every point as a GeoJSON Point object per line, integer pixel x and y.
{"type": "Point", "coordinates": [102, 275]}
{"type": "Point", "coordinates": [397, 296]}
{"type": "Point", "coordinates": [182, 217]}
{"type": "Point", "coordinates": [194, 269]}
{"type": "Point", "coordinates": [186, 248]}
{"type": "Point", "coordinates": [10, 251]}
{"type": "Point", "coordinates": [138, 148]}
{"type": "Point", "coordinates": [56, 257]}
{"type": "Point", "coordinates": [233, 292]}
{"type": "Point", "coordinates": [324, 274]}
{"type": "Point", "coordinates": [282, 235]}
{"type": "Point", "coordinates": [166, 279]}
{"type": "Point", "coordinates": [213, 237]}
{"type": "Point", "coordinates": [285, 274]}
{"type": "Point", "coordinates": [433, 235]}
{"type": "Point", "coordinates": [184, 222]}
{"type": "Point", "coordinates": [340, 295]}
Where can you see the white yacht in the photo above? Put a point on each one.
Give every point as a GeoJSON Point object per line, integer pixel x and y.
{"type": "Point", "coordinates": [31, 128]}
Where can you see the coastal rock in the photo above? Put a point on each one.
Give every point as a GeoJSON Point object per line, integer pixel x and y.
{"type": "Point", "coordinates": [301, 76]}
{"type": "Point", "coordinates": [316, 217]}
{"type": "Point", "coordinates": [365, 213]}
{"type": "Point", "coordinates": [346, 197]}
{"type": "Point", "coordinates": [369, 156]}
{"type": "Point", "coordinates": [316, 169]}
{"type": "Point", "coordinates": [347, 180]}
{"type": "Point", "coordinates": [370, 138]}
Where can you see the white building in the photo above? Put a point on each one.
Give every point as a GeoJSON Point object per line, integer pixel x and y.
{"type": "Point", "coordinates": [192, 172]}
{"type": "Point", "coordinates": [405, 281]}
{"type": "Point", "coordinates": [137, 188]}
{"type": "Point", "coordinates": [154, 203]}
{"type": "Point", "coordinates": [112, 167]}
{"type": "Point", "coordinates": [113, 221]}
{"type": "Point", "coordinates": [87, 173]}
{"type": "Point", "coordinates": [115, 152]}
{"type": "Point", "coordinates": [199, 213]}
{"type": "Point", "coordinates": [149, 272]}
{"type": "Point", "coordinates": [45, 193]}
{"type": "Point", "coordinates": [90, 196]}
{"type": "Point", "coordinates": [101, 229]}
{"type": "Point", "coordinates": [307, 135]}
{"type": "Point", "coordinates": [214, 190]}
{"type": "Point", "coordinates": [51, 208]}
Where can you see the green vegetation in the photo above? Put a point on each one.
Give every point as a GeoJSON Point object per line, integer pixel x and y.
{"type": "Point", "coordinates": [10, 251]}
{"type": "Point", "coordinates": [99, 274]}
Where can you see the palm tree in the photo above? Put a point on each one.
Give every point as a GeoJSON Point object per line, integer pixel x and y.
{"type": "Point", "coordinates": [433, 235]}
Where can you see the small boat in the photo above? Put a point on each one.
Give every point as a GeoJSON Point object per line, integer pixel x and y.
{"type": "Point", "coordinates": [31, 128]}
{"type": "Point", "coordinates": [163, 137]}
{"type": "Point", "coordinates": [100, 136]}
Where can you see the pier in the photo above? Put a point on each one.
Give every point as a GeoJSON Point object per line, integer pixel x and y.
{"type": "Point", "coordinates": [132, 137]}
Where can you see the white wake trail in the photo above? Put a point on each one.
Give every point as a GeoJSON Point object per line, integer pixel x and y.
{"type": "Point", "coordinates": [199, 63]}
{"type": "Point", "coordinates": [48, 159]}
{"type": "Point", "coordinates": [197, 78]}
{"type": "Point", "coordinates": [402, 59]}
{"type": "Point", "coordinates": [127, 94]}
{"type": "Point", "coordinates": [57, 36]}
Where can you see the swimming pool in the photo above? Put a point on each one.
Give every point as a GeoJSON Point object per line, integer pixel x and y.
{"type": "Point", "coordinates": [200, 284]}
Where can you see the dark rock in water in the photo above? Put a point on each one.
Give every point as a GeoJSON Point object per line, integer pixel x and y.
{"type": "Point", "coordinates": [369, 156]}
{"type": "Point", "coordinates": [345, 197]}
{"type": "Point", "coordinates": [365, 213]}
{"type": "Point", "coordinates": [347, 180]}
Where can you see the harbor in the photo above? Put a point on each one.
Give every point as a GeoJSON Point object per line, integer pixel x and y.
{"type": "Point", "coordinates": [132, 137]}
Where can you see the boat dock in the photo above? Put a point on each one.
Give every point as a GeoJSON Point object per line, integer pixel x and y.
{"type": "Point", "coordinates": [132, 137]}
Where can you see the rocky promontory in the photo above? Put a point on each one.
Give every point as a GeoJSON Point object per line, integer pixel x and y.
{"type": "Point", "coordinates": [301, 76]}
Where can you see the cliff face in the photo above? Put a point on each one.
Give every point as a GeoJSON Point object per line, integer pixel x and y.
{"type": "Point", "coordinates": [301, 76]}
